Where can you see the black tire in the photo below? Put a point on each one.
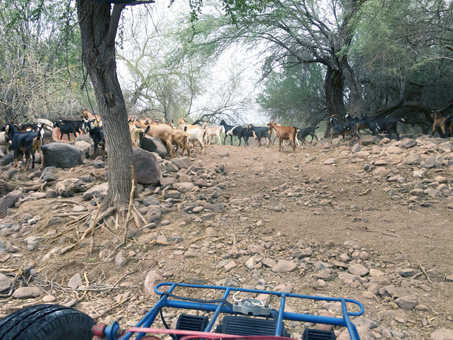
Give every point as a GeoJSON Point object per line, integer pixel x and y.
{"type": "Point", "coordinates": [46, 322]}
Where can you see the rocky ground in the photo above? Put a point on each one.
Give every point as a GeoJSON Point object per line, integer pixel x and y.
{"type": "Point", "coordinates": [370, 222]}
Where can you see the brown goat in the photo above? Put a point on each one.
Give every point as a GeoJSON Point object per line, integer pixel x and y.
{"type": "Point", "coordinates": [284, 133]}
{"type": "Point", "coordinates": [441, 124]}
{"type": "Point", "coordinates": [95, 118]}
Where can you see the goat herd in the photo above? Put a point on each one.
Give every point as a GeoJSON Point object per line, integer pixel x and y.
{"type": "Point", "coordinates": [27, 139]}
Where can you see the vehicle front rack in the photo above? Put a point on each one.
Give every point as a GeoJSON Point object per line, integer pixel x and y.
{"type": "Point", "coordinates": [168, 298]}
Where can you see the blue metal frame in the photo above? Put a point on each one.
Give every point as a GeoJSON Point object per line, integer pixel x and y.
{"type": "Point", "coordinates": [222, 308]}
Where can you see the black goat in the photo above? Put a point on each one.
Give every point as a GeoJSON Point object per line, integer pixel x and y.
{"type": "Point", "coordinates": [305, 132]}
{"type": "Point", "coordinates": [97, 135]}
{"type": "Point", "coordinates": [25, 142]}
{"type": "Point", "coordinates": [245, 134]}
{"type": "Point", "coordinates": [345, 128]}
{"type": "Point", "coordinates": [387, 124]}
{"type": "Point", "coordinates": [231, 130]}
{"type": "Point", "coordinates": [260, 132]}
{"type": "Point", "coordinates": [69, 126]}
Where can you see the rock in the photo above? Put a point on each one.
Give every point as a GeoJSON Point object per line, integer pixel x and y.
{"type": "Point", "coordinates": [27, 293]}
{"type": "Point", "coordinates": [169, 167]}
{"type": "Point", "coordinates": [154, 214]}
{"type": "Point", "coordinates": [393, 149]}
{"type": "Point", "coordinates": [10, 200]}
{"type": "Point", "coordinates": [442, 334]}
{"type": "Point", "coordinates": [268, 262]}
{"type": "Point", "coordinates": [147, 170]}
{"type": "Point", "coordinates": [68, 187]}
{"type": "Point", "coordinates": [330, 161]}
{"type": "Point", "coordinates": [182, 162]}
{"type": "Point", "coordinates": [356, 148]}
{"type": "Point", "coordinates": [99, 191]}
{"type": "Point", "coordinates": [408, 272]}
{"type": "Point", "coordinates": [364, 334]}
{"type": "Point", "coordinates": [49, 174]}
{"type": "Point", "coordinates": [183, 186]}
{"type": "Point", "coordinates": [84, 147]}
{"type": "Point", "coordinates": [408, 143]}
{"type": "Point", "coordinates": [119, 259]}
{"type": "Point", "coordinates": [412, 159]}
{"type": "Point", "coordinates": [230, 265]}
{"type": "Point", "coordinates": [151, 280]}
{"type": "Point", "coordinates": [5, 282]}
{"type": "Point", "coordinates": [358, 269]}
{"type": "Point", "coordinates": [75, 281]}
{"type": "Point", "coordinates": [407, 302]}
{"type": "Point", "coordinates": [299, 254]}
{"type": "Point", "coordinates": [152, 144]}
{"type": "Point", "coordinates": [48, 299]}
{"type": "Point", "coordinates": [429, 163]}
{"type": "Point", "coordinates": [284, 266]}
{"type": "Point", "coordinates": [61, 155]}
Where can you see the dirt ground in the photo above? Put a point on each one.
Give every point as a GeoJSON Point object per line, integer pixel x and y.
{"type": "Point", "coordinates": [279, 201]}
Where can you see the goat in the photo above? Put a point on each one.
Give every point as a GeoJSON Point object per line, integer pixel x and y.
{"type": "Point", "coordinates": [69, 126]}
{"type": "Point", "coordinates": [346, 128]}
{"type": "Point", "coordinates": [211, 132]}
{"type": "Point", "coordinates": [181, 138]}
{"type": "Point", "coordinates": [387, 124]}
{"type": "Point", "coordinates": [245, 134]}
{"type": "Point", "coordinates": [96, 118]}
{"type": "Point", "coordinates": [230, 130]}
{"type": "Point", "coordinates": [25, 142]}
{"type": "Point", "coordinates": [284, 133]}
{"type": "Point", "coordinates": [305, 132]}
{"type": "Point", "coordinates": [260, 132]}
{"type": "Point", "coordinates": [4, 139]}
{"type": "Point", "coordinates": [163, 132]}
{"type": "Point", "coordinates": [135, 135]}
{"type": "Point", "coordinates": [441, 124]}
{"type": "Point", "coordinates": [196, 132]}
{"type": "Point", "coordinates": [96, 134]}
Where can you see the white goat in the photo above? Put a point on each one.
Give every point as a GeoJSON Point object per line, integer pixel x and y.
{"type": "Point", "coordinates": [211, 132]}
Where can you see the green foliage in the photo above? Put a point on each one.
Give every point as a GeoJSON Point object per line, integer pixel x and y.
{"type": "Point", "coordinates": [400, 52]}
{"type": "Point", "coordinates": [294, 96]}
{"type": "Point", "coordinates": [40, 74]}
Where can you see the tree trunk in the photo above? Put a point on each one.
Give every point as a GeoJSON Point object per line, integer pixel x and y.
{"type": "Point", "coordinates": [333, 86]}
{"type": "Point", "coordinates": [98, 32]}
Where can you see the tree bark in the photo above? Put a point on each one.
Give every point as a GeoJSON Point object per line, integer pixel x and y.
{"type": "Point", "coordinates": [98, 29]}
{"type": "Point", "coordinates": [334, 86]}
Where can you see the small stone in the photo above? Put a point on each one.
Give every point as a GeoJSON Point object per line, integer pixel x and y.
{"type": "Point", "coordinates": [442, 334]}
{"type": "Point", "coordinates": [49, 298]}
{"type": "Point", "coordinates": [5, 282]}
{"type": "Point", "coordinates": [358, 269]}
{"type": "Point", "coordinates": [284, 266]}
{"type": "Point", "coordinates": [407, 302]}
{"type": "Point", "coordinates": [151, 280]}
{"type": "Point", "coordinates": [27, 292]}
{"type": "Point", "coordinates": [75, 281]}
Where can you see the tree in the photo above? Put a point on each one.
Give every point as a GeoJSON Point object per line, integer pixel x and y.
{"type": "Point", "coordinates": [402, 56]}
{"type": "Point", "coordinates": [39, 58]}
{"type": "Point", "coordinates": [293, 32]}
{"type": "Point", "coordinates": [98, 28]}
{"type": "Point", "coordinates": [294, 96]}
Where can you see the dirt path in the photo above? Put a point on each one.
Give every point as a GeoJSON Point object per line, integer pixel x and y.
{"type": "Point", "coordinates": [320, 209]}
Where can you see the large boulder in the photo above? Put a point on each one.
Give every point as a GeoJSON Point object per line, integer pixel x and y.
{"type": "Point", "coordinates": [61, 155]}
{"type": "Point", "coordinates": [152, 144]}
{"type": "Point", "coordinates": [147, 169]}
